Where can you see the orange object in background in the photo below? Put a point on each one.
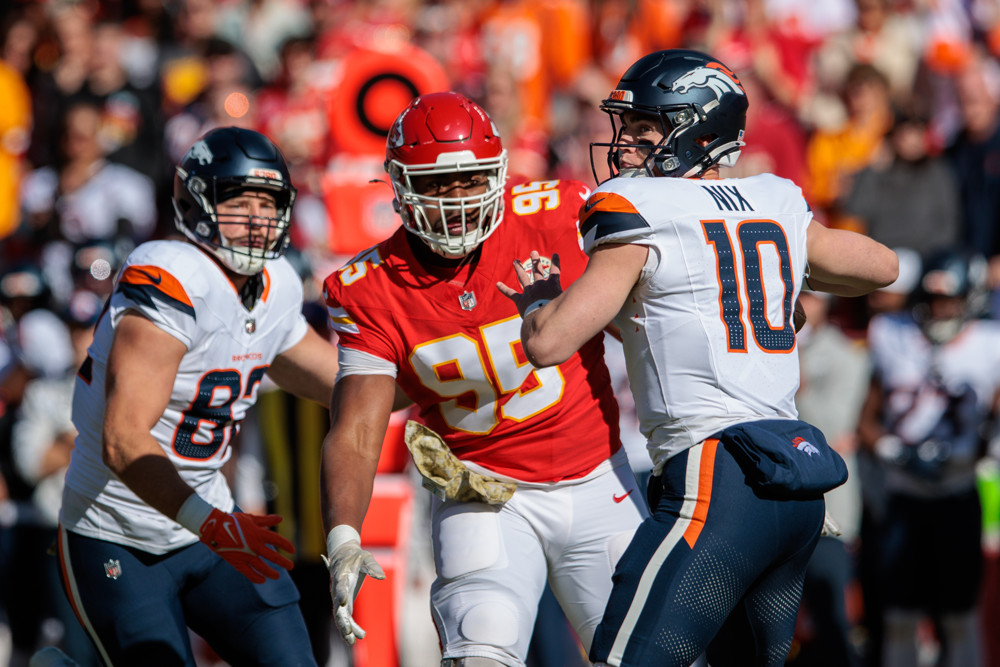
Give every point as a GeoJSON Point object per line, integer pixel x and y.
{"type": "Point", "coordinates": [374, 87]}
{"type": "Point", "coordinates": [386, 534]}
{"type": "Point", "coordinates": [395, 455]}
{"type": "Point", "coordinates": [360, 210]}
{"type": "Point", "coordinates": [15, 131]}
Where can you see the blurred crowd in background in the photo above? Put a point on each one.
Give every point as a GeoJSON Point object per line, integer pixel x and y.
{"type": "Point", "coordinates": [885, 112]}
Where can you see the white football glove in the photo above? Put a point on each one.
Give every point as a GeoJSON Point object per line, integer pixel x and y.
{"type": "Point", "coordinates": [348, 564]}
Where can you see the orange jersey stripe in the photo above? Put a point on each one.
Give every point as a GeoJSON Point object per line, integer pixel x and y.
{"type": "Point", "coordinates": [157, 278]}
{"type": "Point", "coordinates": [267, 286]}
{"type": "Point", "coordinates": [608, 202]}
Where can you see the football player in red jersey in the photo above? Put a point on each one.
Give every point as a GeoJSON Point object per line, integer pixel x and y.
{"type": "Point", "coordinates": [420, 311]}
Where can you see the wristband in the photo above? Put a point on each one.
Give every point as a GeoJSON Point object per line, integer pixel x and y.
{"type": "Point", "coordinates": [193, 513]}
{"type": "Point", "coordinates": [340, 535]}
{"type": "Point", "coordinates": [535, 306]}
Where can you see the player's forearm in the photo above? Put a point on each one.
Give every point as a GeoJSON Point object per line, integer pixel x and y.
{"type": "Point", "coordinates": [347, 478]}
{"type": "Point", "coordinates": [308, 385]}
{"type": "Point", "coordinates": [142, 466]}
{"type": "Point", "coordinates": [57, 455]}
{"type": "Point", "coordinates": [307, 370]}
{"type": "Point", "coordinates": [541, 347]}
{"type": "Point", "coordinates": [848, 264]}
{"type": "Point", "coordinates": [553, 333]}
{"type": "Point", "coordinates": [839, 289]}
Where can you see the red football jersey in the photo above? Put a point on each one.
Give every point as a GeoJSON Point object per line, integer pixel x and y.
{"type": "Point", "coordinates": [456, 341]}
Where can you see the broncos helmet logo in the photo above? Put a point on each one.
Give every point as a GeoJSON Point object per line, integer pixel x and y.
{"type": "Point", "coordinates": [715, 76]}
{"type": "Point", "coordinates": [201, 152]}
{"type": "Point", "coordinates": [804, 445]}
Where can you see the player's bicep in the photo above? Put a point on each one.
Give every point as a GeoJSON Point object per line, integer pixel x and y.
{"type": "Point", "coordinates": [142, 368]}
{"type": "Point", "coordinates": [846, 263]}
{"type": "Point", "coordinates": [359, 414]}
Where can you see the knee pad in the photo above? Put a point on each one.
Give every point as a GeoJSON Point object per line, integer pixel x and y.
{"type": "Point", "coordinates": [490, 623]}
{"type": "Point", "coordinates": [491, 632]}
{"type": "Point", "coordinates": [471, 662]}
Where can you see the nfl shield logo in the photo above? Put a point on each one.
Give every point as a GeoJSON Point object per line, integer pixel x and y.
{"type": "Point", "coordinates": [250, 325]}
{"type": "Point", "coordinates": [113, 568]}
{"type": "Point", "coordinates": [468, 301]}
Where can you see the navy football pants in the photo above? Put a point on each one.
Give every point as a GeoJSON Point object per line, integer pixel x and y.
{"type": "Point", "coordinates": [715, 568]}
{"type": "Point", "coordinates": [137, 607]}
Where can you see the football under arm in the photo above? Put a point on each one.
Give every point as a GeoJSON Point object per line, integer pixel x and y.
{"type": "Point", "coordinates": [359, 417]}
{"type": "Point", "coordinates": [552, 333]}
{"type": "Point", "coordinates": [308, 369]}
{"type": "Point", "coordinates": [142, 367]}
{"type": "Point", "coordinates": [846, 263]}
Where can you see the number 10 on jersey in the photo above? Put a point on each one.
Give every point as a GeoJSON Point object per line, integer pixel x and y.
{"type": "Point", "coordinates": [751, 235]}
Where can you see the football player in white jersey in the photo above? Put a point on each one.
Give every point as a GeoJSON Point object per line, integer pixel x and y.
{"type": "Point", "coordinates": [700, 274]}
{"type": "Point", "coordinates": [151, 542]}
{"type": "Point", "coordinates": [934, 393]}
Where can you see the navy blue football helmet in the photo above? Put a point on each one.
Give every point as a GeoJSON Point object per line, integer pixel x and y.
{"type": "Point", "coordinates": [956, 273]}
{"type": "Point", "coordinates": [222, 164]}
{"type": "Point", "coordinates": [700, 103]}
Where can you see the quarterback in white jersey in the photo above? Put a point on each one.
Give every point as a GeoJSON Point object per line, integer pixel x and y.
{"type": "Point", "coordinates": [719, 285]}
{"type": "Point", "coordinates": [701, 274]}
{"type": "Point", "coordinates": [151, 542]}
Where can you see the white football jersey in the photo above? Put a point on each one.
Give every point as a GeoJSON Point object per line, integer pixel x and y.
{"type": "Point", "coordinates": [184, 292]}
{"type": "Point", "coordinates": [935, 393]}
{"type": "Point", "coordinates": [707, 330]}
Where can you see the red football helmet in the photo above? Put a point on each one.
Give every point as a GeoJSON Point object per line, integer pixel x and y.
{"type": "Point", "coordinates": [446, 133]}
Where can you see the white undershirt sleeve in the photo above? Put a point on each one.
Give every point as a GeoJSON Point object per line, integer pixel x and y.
{"type": "Point", "coordinates": [356, 362]}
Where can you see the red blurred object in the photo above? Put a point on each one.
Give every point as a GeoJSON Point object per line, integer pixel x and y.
{"type": "Point", "coordinates": [374, 87]}
{"type": "Point", "coordinates": [386, 533]}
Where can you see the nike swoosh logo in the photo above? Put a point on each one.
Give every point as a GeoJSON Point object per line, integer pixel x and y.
{"type": "Point", "coordinates": [229, 531]}
{"type": "Point", "coordinates": [618, 499]}
{"type": "Point", "coordinates": [156, 280]}
{"type": "Point", "coordinates": [591, 204]}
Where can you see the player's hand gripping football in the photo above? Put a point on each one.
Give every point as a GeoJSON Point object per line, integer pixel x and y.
{"type": "Point", "coordinates": [349, 564]}
{"type": "Point", "coordinates": [245, 541]}
{"type": "Point", "coordinates": [537, 286]}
